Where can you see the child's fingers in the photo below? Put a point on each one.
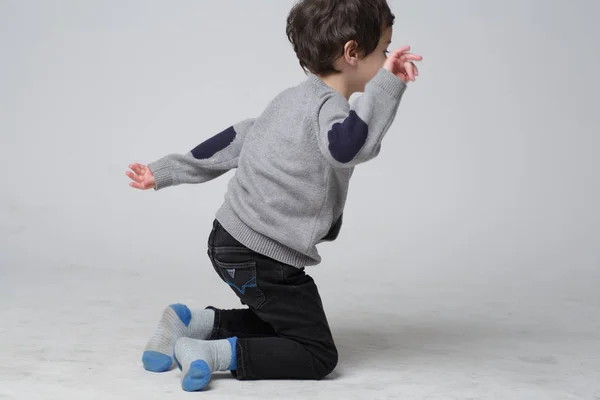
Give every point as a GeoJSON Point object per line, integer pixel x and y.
{"type": "Point", "coordinates": [134, 177]}
{"type": "Point", "coordinates": [399, 52]}
{"type": "Point", "coordinates": [408, 66]}
{"type": "Point", "coordinates": [137, 168]}
{"type": "Point", "coordinates": [141, 186]}
{"type": "Point", "coordinates": [412, 57]}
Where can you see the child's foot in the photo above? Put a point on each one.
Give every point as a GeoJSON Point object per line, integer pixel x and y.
{"type": "Point", "coordinates": [198, 359]}
{"type": "Point", "coordinates": [177, 321]}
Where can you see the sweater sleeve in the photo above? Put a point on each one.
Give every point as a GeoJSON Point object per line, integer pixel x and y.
{"type": "Point", "coordinates": [209, 160]}
{"type": "Point", "coordinates": [351, 133]}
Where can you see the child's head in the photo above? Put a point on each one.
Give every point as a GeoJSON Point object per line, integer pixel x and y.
{"type": "Point", "coordinates": [347, 37]}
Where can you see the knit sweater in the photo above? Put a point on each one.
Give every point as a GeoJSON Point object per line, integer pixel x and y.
{"type": "Point", "coordinates": [293, 165]}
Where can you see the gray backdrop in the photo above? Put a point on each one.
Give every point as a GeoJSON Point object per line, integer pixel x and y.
{"type": "Point", "coordinates": [491, 165]}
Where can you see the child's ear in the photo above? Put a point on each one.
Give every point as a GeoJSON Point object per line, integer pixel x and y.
{"type": "Point", "coordinates": [351, 52]}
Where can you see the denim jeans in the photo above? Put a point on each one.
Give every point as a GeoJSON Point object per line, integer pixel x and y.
{"type": "Point", "coordinates": [284, 333]}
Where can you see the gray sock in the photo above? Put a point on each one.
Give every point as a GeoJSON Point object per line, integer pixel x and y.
{"type": "Point", "coordinates": [177, 321]}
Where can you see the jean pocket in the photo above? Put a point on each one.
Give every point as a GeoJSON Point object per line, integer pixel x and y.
{"type": "Point", "coordinates": [241, 277]}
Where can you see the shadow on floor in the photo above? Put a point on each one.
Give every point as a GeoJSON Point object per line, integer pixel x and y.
{"type": "Point", "coordinates": [391, 341]}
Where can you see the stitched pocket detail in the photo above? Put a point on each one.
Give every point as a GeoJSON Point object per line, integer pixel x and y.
{"type": "Point", "coordinates": [241, 277]}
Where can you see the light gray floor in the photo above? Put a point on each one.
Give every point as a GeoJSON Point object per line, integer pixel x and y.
{"type": "Point", "coordinates": [77, 332]}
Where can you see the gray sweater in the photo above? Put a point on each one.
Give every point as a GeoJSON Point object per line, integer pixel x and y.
{"type": "Point", "coordinates": [293, 165]}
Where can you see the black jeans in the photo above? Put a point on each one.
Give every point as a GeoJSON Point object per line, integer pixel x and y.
{"type": "Point", "coordinates": [283, 334]}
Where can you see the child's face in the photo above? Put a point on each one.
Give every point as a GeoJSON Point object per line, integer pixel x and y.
{"type": "Point", "coordinates": [368, 66]}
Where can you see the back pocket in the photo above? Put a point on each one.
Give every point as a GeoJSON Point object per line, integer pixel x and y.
{"type": "Point", "coordinates": [241, 277]}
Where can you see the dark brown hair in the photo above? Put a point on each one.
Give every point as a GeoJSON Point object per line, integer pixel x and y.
{"type": "Point", "coordinates": [319, 29]}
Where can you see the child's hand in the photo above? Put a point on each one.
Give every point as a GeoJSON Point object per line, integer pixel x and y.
{"type": "Point", "coordinates": [400, 63]}
{"type": "Point", "coordinates": [142, 177]}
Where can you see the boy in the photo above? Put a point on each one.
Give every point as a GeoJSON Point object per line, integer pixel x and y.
{"type": "Point", "coordinates": [293, 165]}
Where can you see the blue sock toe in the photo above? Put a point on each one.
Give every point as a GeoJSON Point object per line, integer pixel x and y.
{"type": "Point", "coordinates": [156, 362]}
{"type": "Point", "coordinates": [197, 377]}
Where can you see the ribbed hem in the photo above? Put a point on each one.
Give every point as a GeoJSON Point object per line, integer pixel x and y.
{"type": "Point", "coordinates": [389, 82]}
{"type": "Point", "coordinates": [162, 174]}
{"type": "Point", "coordinates": [258, 242]}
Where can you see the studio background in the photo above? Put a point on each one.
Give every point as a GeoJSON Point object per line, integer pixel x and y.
{"type": "Point", "coordinates": [468, 263]}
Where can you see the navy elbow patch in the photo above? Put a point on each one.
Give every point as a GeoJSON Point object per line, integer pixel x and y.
{"type": "Point", "coordinates": [347, 138]}
{"type": "Point", "coordinates": [212, 146]}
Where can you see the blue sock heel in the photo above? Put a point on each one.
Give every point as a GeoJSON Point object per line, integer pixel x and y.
{"type": "Point", "coordinates": [183, 312]}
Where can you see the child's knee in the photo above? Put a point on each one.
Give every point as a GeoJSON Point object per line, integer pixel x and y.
{"type": "Point", "coordinates": [327, 362]}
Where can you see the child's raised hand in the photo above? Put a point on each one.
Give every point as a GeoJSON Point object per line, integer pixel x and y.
{"type": "Point", "coordinates": [400, 63]}
{"type": "Point", "coordinates": [142, 177]}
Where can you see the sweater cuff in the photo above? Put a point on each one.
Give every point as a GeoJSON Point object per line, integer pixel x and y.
{"type": "Point", "coordinates": [390, 83]}
{"type": "Point", "coordinates": [162, 174]}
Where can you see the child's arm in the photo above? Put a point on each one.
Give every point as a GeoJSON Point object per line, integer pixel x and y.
{"type": "Point", "coordinates": [209, 160]}
{"type": "Point", "coordinates": [351, 133]}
